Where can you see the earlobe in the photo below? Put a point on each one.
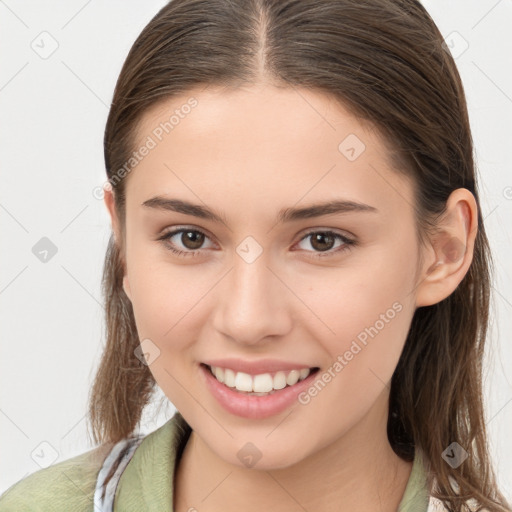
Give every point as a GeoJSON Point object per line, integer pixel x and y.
{"type": "Point", "coordinates": [453, 249]}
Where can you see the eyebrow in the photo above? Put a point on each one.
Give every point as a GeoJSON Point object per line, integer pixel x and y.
{"type": "Point", "coordinates": [284, 215]}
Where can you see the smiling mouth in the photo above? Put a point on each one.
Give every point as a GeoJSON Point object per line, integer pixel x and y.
{"type": "Point", "coordinates": [261, 384]}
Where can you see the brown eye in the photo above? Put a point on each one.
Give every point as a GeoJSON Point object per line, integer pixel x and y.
{"type": "Point", "coordinates": [192, 239]}
{"type": "Point", "coordinates": [184, 242]}
{"type": "Point", "coordinates": [322, 241]}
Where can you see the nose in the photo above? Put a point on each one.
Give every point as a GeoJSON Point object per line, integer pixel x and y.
{"type": "Point", "coordinates": [253, 303]}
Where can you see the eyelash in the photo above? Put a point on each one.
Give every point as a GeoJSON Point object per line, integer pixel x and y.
{"type": "Point", "coordinates": [348, 243]}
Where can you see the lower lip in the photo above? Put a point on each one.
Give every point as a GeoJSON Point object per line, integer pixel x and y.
{"type": "Point", "coordinates": [253, 406]}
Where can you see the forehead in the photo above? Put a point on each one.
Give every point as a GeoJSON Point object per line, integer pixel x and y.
{"type": "Point", "coordinates": [263, 142]}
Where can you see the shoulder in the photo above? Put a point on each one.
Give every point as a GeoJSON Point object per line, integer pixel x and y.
{"type": "Point", "coordinates": [68, 485]}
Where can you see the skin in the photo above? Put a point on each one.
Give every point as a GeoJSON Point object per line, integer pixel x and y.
{"type": "Point", "coordinates": [247, 154]}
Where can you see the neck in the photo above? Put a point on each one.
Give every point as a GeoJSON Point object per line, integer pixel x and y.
{"type": "Point", "coordinates": [359, 471]}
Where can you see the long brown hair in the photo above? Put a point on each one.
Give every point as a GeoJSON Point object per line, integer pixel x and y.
{"type": "Point", "coordinates": [385, 61]}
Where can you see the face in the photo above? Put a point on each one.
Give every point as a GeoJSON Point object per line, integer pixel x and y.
{"type": "Point", "coordinates": [254, 281]}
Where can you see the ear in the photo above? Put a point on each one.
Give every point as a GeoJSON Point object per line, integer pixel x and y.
{"type": "Point", "coordinates": [451, 250]}
{"type": "Point", "coordinates": [109, 200]}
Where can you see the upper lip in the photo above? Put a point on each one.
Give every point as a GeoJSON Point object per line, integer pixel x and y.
{"type": "Point", "coordinates": [257, 367]}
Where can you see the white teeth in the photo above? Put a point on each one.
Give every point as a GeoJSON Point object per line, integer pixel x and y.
{"type": "Point", "coordinates": [280, 380]}
{"type": "Point", "coordinates": [219, 373]}
{"type": "Point", "coordinates": [262, 383]}
{"type": "Point", "coordinates": [243, 382]}
{"type": "Point", "coordinates": [229, 377]}
{"type": "Point", "coordinates": [293, 377]}
{"type": "Point", "coordinates": [304, 373]}
{"type": "Point", "coordinates": [258, 384]}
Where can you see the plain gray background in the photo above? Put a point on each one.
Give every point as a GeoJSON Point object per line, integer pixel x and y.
{"type": "Point", "coordinates": [59, 64]}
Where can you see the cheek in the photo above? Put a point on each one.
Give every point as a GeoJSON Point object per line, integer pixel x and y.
{"type": "Point", "coordinates": [370, 331]}
{"type": "Point", "coordinates": [166, 297]}
{"type": "Point", "coordinates": [166, 302]}
{"type": "Point", "coordinates": [365, 311]}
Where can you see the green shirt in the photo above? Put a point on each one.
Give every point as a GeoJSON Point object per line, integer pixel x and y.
{"type": "Point", "coordinates": [146, 483]}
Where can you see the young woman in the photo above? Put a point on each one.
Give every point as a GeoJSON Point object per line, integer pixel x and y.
{"type": "Point", "coordinates": [298, 261]}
